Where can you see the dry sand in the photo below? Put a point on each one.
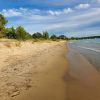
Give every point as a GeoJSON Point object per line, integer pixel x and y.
{"type": "Point", "coordinates": [32, 71]}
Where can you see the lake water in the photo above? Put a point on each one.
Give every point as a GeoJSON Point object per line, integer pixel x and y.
{"type": "Point", "coordinates": [90, 49]}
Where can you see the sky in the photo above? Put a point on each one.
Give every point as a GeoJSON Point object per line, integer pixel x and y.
{"type": "Point", "coordinates": [68, 17]}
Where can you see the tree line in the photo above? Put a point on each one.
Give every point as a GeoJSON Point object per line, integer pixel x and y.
{"type": "Point", "coordinates": [21, 34]}
{"type": "Point", "coordinates": [82, 38]}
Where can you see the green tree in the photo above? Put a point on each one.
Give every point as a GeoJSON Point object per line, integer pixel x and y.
{"type": "Point", "coordinates": [53, 37]}
{"type": "Point", "coordinates": [37, 35]}
{"type": "Point", "coordinates": [45, 35]}
{"type": "Point", "coordinates": [63, 37]}
{"type": "Point", "coordinates": [11, 33]}
{"type": "Point", "coordinates": [21, 33]}
{"type": "Point", "coordinates": [3, 22]}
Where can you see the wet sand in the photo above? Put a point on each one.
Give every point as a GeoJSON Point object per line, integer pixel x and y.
{"type": "Point", "coordinates": [34, 73]}
{"type": "Point", "coordinates": [83, 80]}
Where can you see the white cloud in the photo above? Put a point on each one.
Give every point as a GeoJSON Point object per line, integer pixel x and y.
{"type": "Point", "coordinates": [59, 12]}
{"type": "Point", "coordinates": [34, 13]}
{"type": "Point", "coordinates": [21, 12]}
{"type": "Point", "coordinates": [67, 10]}
{"type": "Point", "coordinates": [11, 12]}
{"type": "Point", "coordinates": [54, 12]}
{"type": "Point", "coordinates": [96, 1]}
{"type": "Point", "coordinates": [83, 6]}
{"type": "Point", "coordinates": [56, 20]}
{"type": "Point", "coordinates": [76, 22]}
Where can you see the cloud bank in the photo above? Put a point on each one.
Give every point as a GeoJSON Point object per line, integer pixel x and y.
{"type": "Point", "coordinates": [81, 18]}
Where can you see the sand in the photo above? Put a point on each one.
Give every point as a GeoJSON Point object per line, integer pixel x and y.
{"type": "Point", "coordinates": [40, 71]}
{"type": "Point", "coordinates": [33, 71]}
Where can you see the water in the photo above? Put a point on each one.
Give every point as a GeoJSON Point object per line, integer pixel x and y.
{"type": "Point", "coordinates": [96, 41]}
{"type": "Point", "coordinates": [90, 49]}
{"type": "Point", "coordinates": [83, 78]}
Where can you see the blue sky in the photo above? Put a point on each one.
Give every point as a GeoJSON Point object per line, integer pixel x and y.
{"type": "Point", "coordinates": [69, 17]}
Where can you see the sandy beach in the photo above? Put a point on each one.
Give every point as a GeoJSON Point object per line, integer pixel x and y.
{"type": "Point", "coordinates": [33, 71]}
{"type": "Point", "coordinates": [46, 71]}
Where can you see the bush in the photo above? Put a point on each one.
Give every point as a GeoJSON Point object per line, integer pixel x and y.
{"type": "Point", "coordinates": [63, 37]}
{"type": "Point", "coordinates": [37, 35]}
{"type": "Point", "coordinates": [10, 33]}
{"type": "Point", "coordinates": [53, 37]}
{"type": "Point", "coordinates": [21, 34]}
{"type": "Point", "coordinates": [45, 35]}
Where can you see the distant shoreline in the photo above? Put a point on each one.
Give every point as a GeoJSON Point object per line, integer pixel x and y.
{"type": "Point", "coordinates": [84, 38]}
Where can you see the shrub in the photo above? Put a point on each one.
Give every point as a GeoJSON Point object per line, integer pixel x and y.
{"type": "Point", "coordinates": [53, 37]}
{"type": "Point", "coordinates": [45, 35]}
{"type": "Point", "coordinates": [11, 33]}
{"type": "Point", "coordinates": [63, 37]}
{"type": "Point", "coordinates": [21, 34]}
{"type": "Point", "coordinates": [37, 35]}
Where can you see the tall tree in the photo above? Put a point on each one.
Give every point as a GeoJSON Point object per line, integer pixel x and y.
{"type": "Point", "coordinates": [45, 35]}
{"type": "Point", "coordinates": [3, 22]}
{"type": "Point", "coordinates": [21, 33]}
{"type": "Point", "coordinates": [11, 33]}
